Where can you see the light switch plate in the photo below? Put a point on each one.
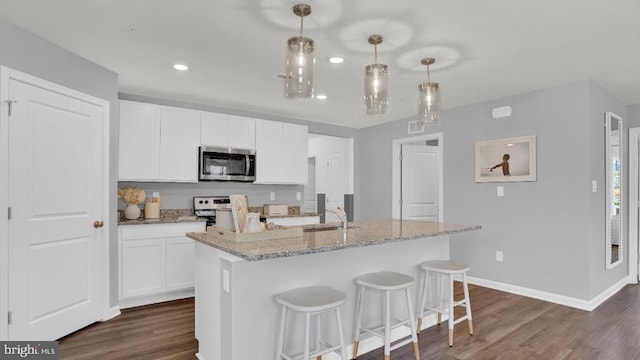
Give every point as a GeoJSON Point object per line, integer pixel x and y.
{"type": "Point", "coordinates": [500, 191]}
{"type": "Point", "coordinates": [272, 196]}
{"type": "Point", "coordinates": [298, 196]}
{"type": "Point", "coordinates": [594, 185]}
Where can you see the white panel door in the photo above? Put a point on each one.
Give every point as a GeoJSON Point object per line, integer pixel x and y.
{"type": "Point", "coordinates": [420, 182]}
{"type": "Point", "coordinates": [214, 130]}
{"type": "Point", "coordinates": [336, 181]}
{"type": "Point", "coordinates": [139, 141]}
{"type": "Point", "coordinates": [241, 132]}
{"type": "Point", "coordinates": [179, 141]}
{"type": "Point", "coordinates": [56, 175]}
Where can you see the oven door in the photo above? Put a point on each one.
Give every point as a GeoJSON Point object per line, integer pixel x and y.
{"type": "Point", "coordinates": [227, 164]}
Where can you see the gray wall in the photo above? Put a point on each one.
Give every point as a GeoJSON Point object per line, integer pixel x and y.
{"type": "Point", "coordinates": [181, 195]}
{"type": "Point", "coordinates": [30, 54]}
{"type": "Point", "coordinates": [549, 229]}
{"type": "Point", "coordinates": [634, 116]}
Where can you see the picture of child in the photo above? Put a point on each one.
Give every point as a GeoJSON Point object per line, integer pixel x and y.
{"type": "Point", "coordinates": [504, 165]}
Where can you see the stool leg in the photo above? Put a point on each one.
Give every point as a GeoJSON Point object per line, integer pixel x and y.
{"type": "Point", "coordinates": [423, 297]}
{"type": "Point", "coordinates": [414, 335]}
{"type": "Point", "coordinates": [467, 302]}
{"type": "Point", "coordinates": [387, 325]}
{"type": "Point", "coordinates": [343, 350]}
{"type": "Point", "coordinates": [283, 322]}
{"type": "Point", "coordinates": [307, 331]}
{"type": "Point", "coordinates": [356, 334]}
{"type": "Point", "coordinates": [451, 313]}
{"type": "Point", "coordinates": [440, 297]}
{"type": "Point", "coordinates": [318, 333]}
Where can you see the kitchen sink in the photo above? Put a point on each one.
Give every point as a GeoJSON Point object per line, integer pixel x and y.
{"type": "Point", "coordinates": [326, 227]}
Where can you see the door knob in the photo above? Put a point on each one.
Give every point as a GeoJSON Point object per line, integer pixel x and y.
{"type": "Point", "coordinates": [98, 224]}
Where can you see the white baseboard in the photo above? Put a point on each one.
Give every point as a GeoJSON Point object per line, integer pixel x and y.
{"type": "Point", "coordinates": [587, 305]}
{"type": "Point", "coordinates": [113, 312]}
{"type": "Point", "coordinates": [153, 299]}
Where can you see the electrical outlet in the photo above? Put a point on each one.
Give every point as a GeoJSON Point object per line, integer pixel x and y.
{"type": "Point", "coordinates": [499, 256]}
{"type": "Point", "coordinates": [272, 196]}
{"type": "Point", "coordinates": [298, 196]}
{"type": "Point", "coordinates": [500, 191]}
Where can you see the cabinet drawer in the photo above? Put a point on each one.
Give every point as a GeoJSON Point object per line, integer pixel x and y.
{"type": "Point", "coordinates": [135, 232]}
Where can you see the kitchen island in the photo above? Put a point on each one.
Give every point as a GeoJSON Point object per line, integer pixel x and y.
{"type": "Point", "coordinates": [236, 314]}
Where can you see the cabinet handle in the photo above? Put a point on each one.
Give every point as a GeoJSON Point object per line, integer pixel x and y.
{"type": "Point", "coordinates": [98, 224]}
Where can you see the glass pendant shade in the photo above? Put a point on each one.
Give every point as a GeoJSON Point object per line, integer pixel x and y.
{"type": "Point", "coordinates": [299, 68]}
{"type": "Point", "coordinates": [429, 103]}
{"type": "Point", "coordinates": [376, 83]}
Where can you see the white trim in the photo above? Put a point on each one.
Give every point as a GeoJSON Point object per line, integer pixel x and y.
{"type": "Point", "coordinates": [157, 298]}
{"type": "Point", "coordinates": [587, 305]}
{"type": "Point", "coordinates": [6, 74]}
{"type": "Point", "coordinates": [634, 138]}
{"type": "Point", "coordinates": [113, 312]}
{"type": "Point", "coordinates": [395, 174]}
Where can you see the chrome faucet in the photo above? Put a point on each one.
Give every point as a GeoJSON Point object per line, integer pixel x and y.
{"type": "Point", "coordinates": [341, 215]}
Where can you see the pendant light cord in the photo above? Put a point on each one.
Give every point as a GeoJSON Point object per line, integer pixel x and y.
{"type": "Point", "coordinates": [375, 51]}
{"type": "Point", "coordinates": [428, 75]}
{"type": "Point", "coordinates": [301, 23]}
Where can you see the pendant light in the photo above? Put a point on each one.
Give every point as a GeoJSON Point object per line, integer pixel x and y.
{"type": "Point", "coordinates": [300, 61]}
{"type": "Point", "coordinates": [376, 81]}
{"type": "Point", "coordinates": [429, 98]}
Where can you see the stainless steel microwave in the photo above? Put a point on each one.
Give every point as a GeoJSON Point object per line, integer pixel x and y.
{"type": "Point", "coordinates": [227, 164]}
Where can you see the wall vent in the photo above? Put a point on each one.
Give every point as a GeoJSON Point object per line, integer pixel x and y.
{"type": "Point", "coordinates": [415, 127]}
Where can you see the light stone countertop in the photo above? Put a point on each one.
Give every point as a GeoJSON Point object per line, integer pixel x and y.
{"type": "Point", "coordinates": [361, 233]}
{"type": "Point", "coordinates": [167, 216]}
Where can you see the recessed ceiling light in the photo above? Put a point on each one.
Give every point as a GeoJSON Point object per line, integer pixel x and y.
{"type": "Point", "coordinates": [510, 144]}
{"type": "Point", "coordinates": [321, 96]}
{"type": "Point", "coordinates": [181, 67]}
{"type": "Point", "coordinates": [336, 60]}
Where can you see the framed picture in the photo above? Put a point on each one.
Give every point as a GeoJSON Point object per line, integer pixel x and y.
{"type": "Point", "coordinates": [506, 160]}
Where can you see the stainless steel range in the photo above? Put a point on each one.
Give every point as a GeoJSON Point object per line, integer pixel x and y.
{"type": "Point", "coordinates": [206, 206]}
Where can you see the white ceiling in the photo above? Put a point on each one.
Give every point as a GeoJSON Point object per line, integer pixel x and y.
{"type": "Point", "coordinates": [484, 49]}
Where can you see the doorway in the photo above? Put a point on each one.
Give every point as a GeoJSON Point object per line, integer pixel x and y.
{"type": "Point", "coordinates": [332, 158]}
{"type": "Point", "coordinates": [417, 179]}
{"type": "Point", "coordinates": [54, 154]}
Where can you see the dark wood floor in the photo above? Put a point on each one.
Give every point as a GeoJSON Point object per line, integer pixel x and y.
{"type": "Point", "coordinates": [506, 326]}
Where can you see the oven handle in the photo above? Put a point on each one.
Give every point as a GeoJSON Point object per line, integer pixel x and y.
{"type": "Point", "coordinates": [248, 166]}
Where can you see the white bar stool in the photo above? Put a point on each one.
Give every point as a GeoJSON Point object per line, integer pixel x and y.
{"type": "Point", "coordinates": [449, 269]}
{"type": "Point", "coordinates": [311, 301]}
{"type": "Point", "coordinates": [387, 282]}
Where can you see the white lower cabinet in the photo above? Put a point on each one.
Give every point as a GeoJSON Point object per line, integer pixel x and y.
{"type": "Point", "coordinates": [156, 262]}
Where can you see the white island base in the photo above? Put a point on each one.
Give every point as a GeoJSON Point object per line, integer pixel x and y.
{"type": "Point", "coordinates": [237, 317]}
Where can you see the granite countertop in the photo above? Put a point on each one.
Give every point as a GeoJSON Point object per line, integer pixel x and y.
{"type": "Point", "coordinates": [291, 215]}
{"type": "Point", "coordinates": [167, 216]}
{"type": "Point", "coordinates": [362, 233]}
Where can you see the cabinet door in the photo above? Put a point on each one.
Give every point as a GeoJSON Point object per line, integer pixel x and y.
{"type": "Point", "coordinates": [214, 130]}
{"type": "Point", "coordinates": [142, 268]}
{"type": "Point", "coordinates": [268, 151]}
{"type": "Point", "coordinates": [293, 166]}
{"type": "Point", "coordinates": [179, 140]}
{"type": "Point", "coordinates": [241, 132]}
{"type": "Point", "coordinates": [139, 141]}
{"type": "Point", "coordinates": [180, 263]}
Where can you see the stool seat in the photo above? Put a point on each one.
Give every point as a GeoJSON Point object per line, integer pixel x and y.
{"type": "Point", "coordinates": [385, 281]}
{"type": "Point", "coordinates": [447, 267]}
{"type": "Point", "coordinates": [311, 299]}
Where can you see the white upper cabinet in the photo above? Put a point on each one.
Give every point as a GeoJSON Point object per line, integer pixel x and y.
{"type": "Point", "coordinates": [213, 130]}
{"type": "Point", "coordinates": [281, 153]}
{"type": "Point", "coordinates": [158, 143]}
{"type": "Point", "coordinates": [139, 150]}
{"type": "Point", "coordinates": [228, 131]}
{"type": "Point", "coordinates": [179, 135]}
